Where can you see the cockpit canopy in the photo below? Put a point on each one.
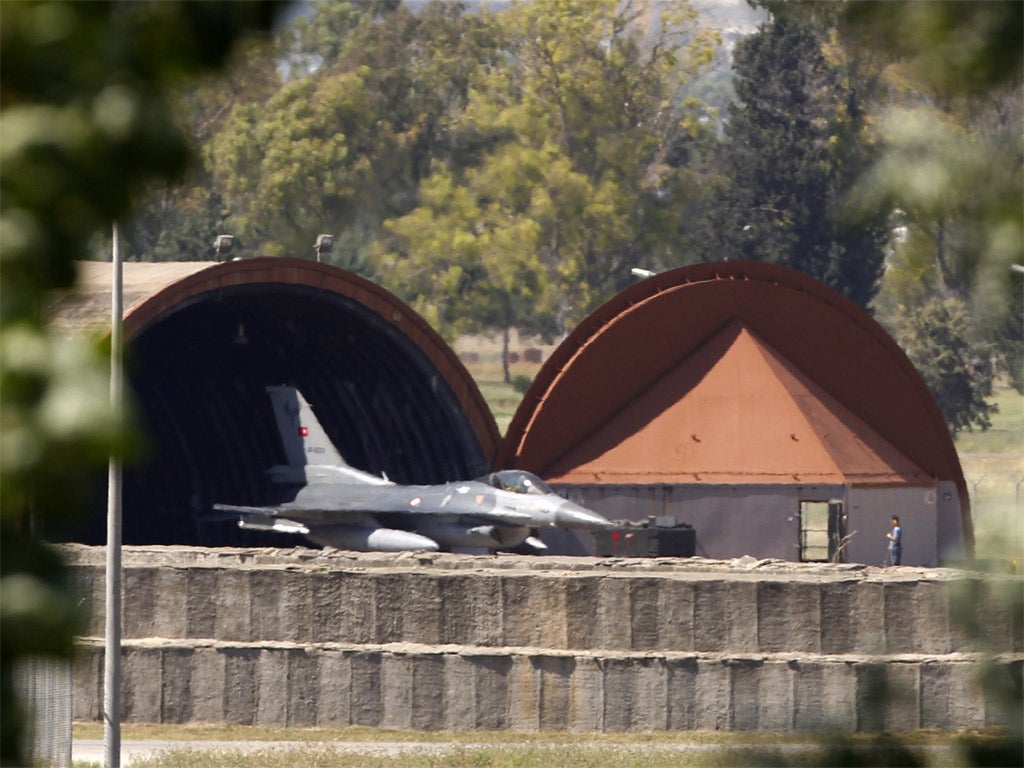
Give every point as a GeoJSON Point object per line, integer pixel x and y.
{"type": "Point", "coordinates": [517, 481]}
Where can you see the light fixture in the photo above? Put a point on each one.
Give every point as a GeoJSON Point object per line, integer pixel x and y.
{"type": "Point", "coordinates": [222, 245]}
{"type": "Point", "coordinates": [323, 245]}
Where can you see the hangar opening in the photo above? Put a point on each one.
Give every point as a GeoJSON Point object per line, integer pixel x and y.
{"type": "Point", "coordinates": [389, 392]}
{"type": "Point", "coordinates": [746, 400]}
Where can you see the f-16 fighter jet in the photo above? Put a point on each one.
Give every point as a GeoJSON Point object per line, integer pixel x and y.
{"type": "Point", "coordinates": [339, 506]}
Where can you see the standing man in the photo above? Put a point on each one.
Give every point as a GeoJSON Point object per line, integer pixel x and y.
{"type": "Point", "coordinates": [895, 537]}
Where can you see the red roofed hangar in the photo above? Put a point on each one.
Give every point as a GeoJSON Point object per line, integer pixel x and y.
{"type": "Point", "coordinates": [755, 404]}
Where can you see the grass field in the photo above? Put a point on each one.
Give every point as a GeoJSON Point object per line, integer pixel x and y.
{"type": "Point", "coordinates": [482, 357]}
{"type": "Point", "coordinates": [1006, 435]}
{"type": "Point", "coordinates": [993, 466]}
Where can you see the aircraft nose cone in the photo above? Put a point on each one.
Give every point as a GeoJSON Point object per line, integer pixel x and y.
{"type": "Point", "coordinates": [572, 515]}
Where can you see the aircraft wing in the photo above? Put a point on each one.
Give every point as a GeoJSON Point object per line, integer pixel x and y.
{"type": "Point", "coordinates": [329, 500]}
{"type": "Point", "coordinates": [337, 511]}
{"type": "Point", "coordinates": [345, 529]}
{"type": "Point", "coordinates": [317, 514]}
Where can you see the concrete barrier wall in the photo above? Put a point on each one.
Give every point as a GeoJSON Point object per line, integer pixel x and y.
{"type": "Point", "coordinates": [447, 641]}
{"type": "Point", "coordinates": [432, 688]}
{"type": "Point", "coordinates": [672, 609]}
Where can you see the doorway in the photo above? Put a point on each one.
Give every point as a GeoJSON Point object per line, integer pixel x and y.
{"type": "Point", "coordinates": [822, 531]}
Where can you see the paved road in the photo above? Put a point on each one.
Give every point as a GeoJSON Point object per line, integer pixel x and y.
{"type": "Point", "coordinates": [91, 750]}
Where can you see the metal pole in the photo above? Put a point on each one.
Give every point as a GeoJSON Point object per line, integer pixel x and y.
{"type": "Point", "coordinates": [112, 647]}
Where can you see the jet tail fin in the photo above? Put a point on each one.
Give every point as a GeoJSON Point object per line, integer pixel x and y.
{"type": "Point", "coordinates": [304, 439]}
{"type": "Point", "coordinates": [306, 444]}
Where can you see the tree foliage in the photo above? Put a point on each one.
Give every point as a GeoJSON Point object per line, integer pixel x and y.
{"type": "Point", "coordinates": [935, 330]}
{"type": "Point", "coordinates": [950, 112]}
{"type": "Point", "coordinates": [174, 222]}
{"type": "Point", "coordinates": [346, 139]}
{"type": "Point", "coordinates": [570, 166]}
{"type": "Point", "coordinates": [795, 143]}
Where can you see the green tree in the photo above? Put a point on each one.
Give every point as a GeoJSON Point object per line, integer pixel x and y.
{"type": "Point", "coordinates": [86, 126]}
{"type": "Point", "coordinates": [343, 144]}
{"type": "Point", "coordinates": [796, 141]}
{"type": "Point", "coordinates": [298, 164]}
{"type": "Point", "coordinates": [950, 116]}
{"type": "Point", "coordinates": [571, 183]}
{"type": "Point", "coordinates": [937, 341]}
{"type": "Point", "coordinates": [483, 268]}
{"type": "Point", "coordinates": [179, 222]}
{"type": "Point", "coordinates": [173, 223]}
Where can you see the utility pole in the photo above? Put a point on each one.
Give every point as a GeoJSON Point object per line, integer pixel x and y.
{"type": "Point", "coordinates": [112, 635]}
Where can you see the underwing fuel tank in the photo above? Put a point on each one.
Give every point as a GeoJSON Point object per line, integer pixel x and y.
{"type": "Point", "coordinates": [453, 533]}
{"type": "Point", "coordinates": [369, 539]}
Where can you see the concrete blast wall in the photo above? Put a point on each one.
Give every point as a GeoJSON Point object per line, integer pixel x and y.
{"type": "Point", "coordinates": [462, 642]}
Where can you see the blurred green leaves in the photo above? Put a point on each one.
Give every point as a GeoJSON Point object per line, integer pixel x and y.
{"type": "Point", "coordinates": [958, 46]}
{"type": "Point", "coordinates": [86, 125]}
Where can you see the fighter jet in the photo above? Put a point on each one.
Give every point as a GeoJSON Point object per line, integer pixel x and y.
{"type": "Point", "coordinates": [336, 505]}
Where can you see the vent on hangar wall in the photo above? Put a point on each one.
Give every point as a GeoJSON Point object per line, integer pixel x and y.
{"type": "Point", "coordinates": [390, 393]}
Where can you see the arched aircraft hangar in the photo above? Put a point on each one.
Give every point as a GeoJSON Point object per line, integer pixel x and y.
{"type": "Point", "coordinates": [390, 392]}
{"type": "Point", "coordinates": [757, 405]}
